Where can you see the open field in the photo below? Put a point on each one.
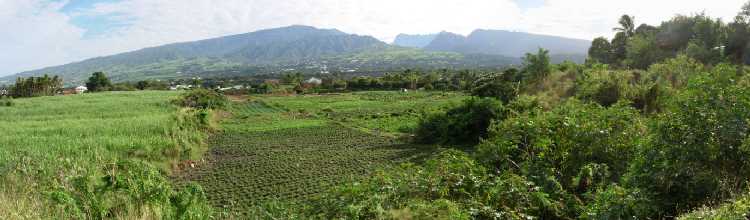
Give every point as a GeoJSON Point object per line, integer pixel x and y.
{"type": "Point", "coordinates": [292, 148]}
{"type": "Point", "coordinates": [56, 151]}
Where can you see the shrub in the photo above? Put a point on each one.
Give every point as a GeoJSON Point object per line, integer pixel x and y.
{"type": "Point", "coordinates": [604, 87]}
{"type": "Point", "coordinates": [504, 86]}
{"type": "Point", "coordinates": [136, 189]}
{"type": "Point", "coordinates": [563, 142]}
{"type": "Point", "coordinates": [203, 99]}
{"type": "Point", "coordinates": [6, 101]}
{"type": "Point", "coordinates": [464, 124]}
{"type": "Point", "coordinates": [698, 150]}
{"type": "Point", "coordinates": [451, 185]}
{"type": "Point", "coordinates": [615, 202]}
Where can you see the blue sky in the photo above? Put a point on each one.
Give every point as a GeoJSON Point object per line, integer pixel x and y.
{"type": "Point", "coordinates": [95, 25]}
{"type": "Point", "coordinates": [54, 32]}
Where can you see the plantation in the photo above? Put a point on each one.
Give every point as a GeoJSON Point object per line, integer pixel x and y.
{"type": "Point", "coordinates": [293, 149]}
{"type": "Point", "coordinates": [97, 156]}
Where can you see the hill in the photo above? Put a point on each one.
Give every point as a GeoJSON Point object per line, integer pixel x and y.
{"type": "Point", "coordinates": [257, 48]}
{"type": "Point", "coordinates": [272, 51]}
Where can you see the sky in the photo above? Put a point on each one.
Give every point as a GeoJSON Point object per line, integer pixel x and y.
{"type": "Point", "coordinates": [42, 33]}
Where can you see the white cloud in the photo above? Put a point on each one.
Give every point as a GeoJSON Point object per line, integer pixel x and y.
{"type": "Point", "coordinates": [40, 35]}
{"type": "Point", "coordinates": [35, 35]}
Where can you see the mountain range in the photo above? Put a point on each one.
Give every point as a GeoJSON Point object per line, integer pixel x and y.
{"type": "Point", "coordinates": [312, 50]}
{"type": "Point", "coordinates": [498, 42]}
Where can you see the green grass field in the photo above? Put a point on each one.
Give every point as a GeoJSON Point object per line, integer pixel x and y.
{"type": "Point", "coordinates": [53, 150]}
{"type": "Point", "coordinates": [111, 155]}
{"type": "Point", "coordinates": [292, 148]}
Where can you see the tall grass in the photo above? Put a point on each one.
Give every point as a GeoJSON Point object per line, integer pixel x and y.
{"type": "Point", "coordinates": [97, 156]}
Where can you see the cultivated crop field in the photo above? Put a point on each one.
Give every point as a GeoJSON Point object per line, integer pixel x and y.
{"type": "Point", "coordinates": [63, 145]}
{"type": "Point", "coordinates": [293, 148]}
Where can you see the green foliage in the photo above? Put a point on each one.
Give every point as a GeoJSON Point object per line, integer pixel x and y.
{"type": "Point", "coordinates": [130, 186]}
{"type": "Point", "coordinates": [600, 51]}
{"type": "Point", "coordinates": [151, 85]}
{"type": "Point", "coordinates": [675, 72]}
{"type": "Point", "coordinates": [36, 86]}
{"type": "Point", "coordinates": [203, 99]}
{"type": "Point", "coordinates": [568, 139]}
{"type": "Point", "coordinates": [735, 209]}
{"type": "Point", "coordinates": [463, 124]}
{"type": "Point", "coordinates": [627, 25]}
{"type": "Point", "coordinates": [615, 202]}
{"type": "Point", "coordinates": [98, 82]}
{"type": "Point", "coordinates": [6, 101]}
{"type": "Point", "coordinates": [97, 158]}
{"type": "Point", "coordinates": [641, 52]}
{"type": "Point", "coordinates": [698, 151]}
{"type": "Point", "coordinates": [446, 187]}
{"type": "Point", "coordinates": [537, 66]}
{"type": "Point", "coordinates": [504, 86]}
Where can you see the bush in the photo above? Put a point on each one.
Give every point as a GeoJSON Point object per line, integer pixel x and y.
{"type": "Point", "coordinates": [504, 86]}
{"type": "Point", "coordinates": [698, 151]}
{"type": "Point", "coordinates": [615, 202]}
{"type": "Point", "coordinates": [6, 101]}
{"type": "Point", "coordinates": [563, 142]}
{"type": "Point", "coordinates": [451, 185]}
{"type": "Point", "coordinates": [135, 189]}
{"type": "Point", "coordinates": [203, 99]}
{"type": "Point", "coordinates": [464, 124]}
{"type": "Point", "coordinates": [604, 87]}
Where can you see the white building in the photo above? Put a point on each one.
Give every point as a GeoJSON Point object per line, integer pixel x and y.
{"type": "Point", "coordinates": [314, 81]}
{"type": "Point", "coordinates": [81, 89]}
{"type": "Point", "coordinates": [180, 87]}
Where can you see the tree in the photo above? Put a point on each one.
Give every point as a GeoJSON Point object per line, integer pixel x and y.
{"type": "Point", "coordinates": [36, 86]}
{"type": "Point", "coordinates": [627, 25]}
{"type": "Point", "coordinates": [642, 51]}
{"type": "Point", "coordinates": [98, 82]}
{"type": "Point", "coordinates": [537, 65]}
{"type": "Point", "coordinates": [142, 85]}
{"type": "Point", "coordinates": [600, 51]}
{"type": "Point", "coordinates": [619, 48]}
{"type": "Point", "coordinates": [739, 37]}
{"type": "Point", "coordinates": [503, 86]}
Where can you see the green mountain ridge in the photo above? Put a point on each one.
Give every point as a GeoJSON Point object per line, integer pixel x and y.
{"type": "Point", "coordinates": [294, 48]}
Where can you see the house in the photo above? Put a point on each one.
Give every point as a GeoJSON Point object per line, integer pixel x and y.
{"type": "Point", "coordinates": [179, 87]}
{"type": "Point", "coordinates": [314, 81]}
{"type": "Point", "coordinates": [81, 89]}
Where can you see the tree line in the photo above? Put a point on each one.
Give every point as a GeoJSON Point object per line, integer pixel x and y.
{"type": "Point", "coordinates": [36, 86]}
{"type": "Point", "coordinates": [700, 37]}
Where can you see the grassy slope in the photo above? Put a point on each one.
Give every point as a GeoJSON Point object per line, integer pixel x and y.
{"type": "Point", "coordinates": [294, 147]}
{"type": "Point", "coordinates": [47, 142]}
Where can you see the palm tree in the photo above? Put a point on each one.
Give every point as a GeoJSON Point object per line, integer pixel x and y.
{"type": "Point", "coordinates": [627, 25]}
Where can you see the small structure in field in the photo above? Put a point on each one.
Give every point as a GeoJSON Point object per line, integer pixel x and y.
{"type": "Point", "coordinates": [180, 87]}
{"type": "Point", "coordinates": [314, 81]}
{"type": "Point", "coordinates": [4, 92]}
{"type": "Point", "coordinates": [81, 89]}
{"type": "Point", "coordinates": [404, 90]}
